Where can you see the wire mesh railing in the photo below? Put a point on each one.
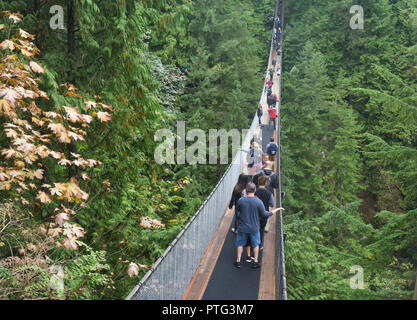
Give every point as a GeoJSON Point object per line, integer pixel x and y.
{"type": "Point", "coordinates": [169, 277]}
{"type": "Point", "coordinates": [280, 274]}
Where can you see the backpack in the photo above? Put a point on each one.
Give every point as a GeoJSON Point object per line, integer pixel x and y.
{"type": "Point", "coordinates": [252, 156]}
{"type": "Point", "coordinates": [268, 184]}
{"type": "Point", "coordinates": [271, 100]}
{"type": "Point", "coordinates": [272, 149]}
{"type": "Point", "coordinates": [269, 91]}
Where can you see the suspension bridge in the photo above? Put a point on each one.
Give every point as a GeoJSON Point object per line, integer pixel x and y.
{"type": "Point", "coordinates": [198, 264]}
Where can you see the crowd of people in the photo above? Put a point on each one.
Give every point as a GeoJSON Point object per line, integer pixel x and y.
{"type": "Point", "coordinates": [272, 99]}
{"type": "Point", "coordinates": [253, 195]}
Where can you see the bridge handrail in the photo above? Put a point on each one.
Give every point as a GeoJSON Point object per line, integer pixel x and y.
{"type": "Point", "coordinates": [178, 261]}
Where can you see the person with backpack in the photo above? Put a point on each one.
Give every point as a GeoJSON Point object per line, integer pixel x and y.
{"type": "Point", "coordinates": [248, 211]}
{"type": "Point", "coordinates": [273, 182]}
{"type": "Point", "coordinates": [272, 110]}
{"type": "Point", "coordinates": [238, 192]}
{"type": "Point", "coordinates": [260, 113]}
{"type": "Point", "coordinates": [267, 198]}
{"type": "Point", "coordinates": [254, 155]}
{"type": "Point", "coordinates": [272, 149]}
{"type": "Point", "coordinates": [271, 74]}
{"type": "Point", "coordinates": [271, 100]}
{"type": "Point", "coordinates": [268, 86]}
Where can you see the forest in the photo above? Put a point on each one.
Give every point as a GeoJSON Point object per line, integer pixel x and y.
{"type": "Point", "coordinates": [80, 103]}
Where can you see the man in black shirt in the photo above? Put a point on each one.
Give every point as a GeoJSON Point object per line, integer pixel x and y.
{"type": "Point", "coordinates": [267, 199]}
{"type": "Point", "coordinates": [273, 182]}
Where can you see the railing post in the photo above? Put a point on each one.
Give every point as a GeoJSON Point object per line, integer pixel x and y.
{"type": "Point", "coordinates": [280, 275]}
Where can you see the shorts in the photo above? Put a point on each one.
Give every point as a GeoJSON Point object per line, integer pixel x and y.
{"type": "Point", "coordinates": [242, 239]}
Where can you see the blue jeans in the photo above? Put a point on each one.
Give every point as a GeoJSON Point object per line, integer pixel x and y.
{"type": "Point", "coordinates": [242, 239]}
{"type": "Point", "coordinates": [260, 121]}
{"type": "Point", "coordinates": [274, 120]}
{"type": "Point", "coordinates": [234, 222]}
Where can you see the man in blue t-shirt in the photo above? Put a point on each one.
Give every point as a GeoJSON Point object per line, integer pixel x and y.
{"type": "Point", "coordinates": [272, 149]}
{"type": "Point", "coordinates": [248, 211]}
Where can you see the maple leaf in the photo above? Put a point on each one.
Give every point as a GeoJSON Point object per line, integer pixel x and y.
{"type": "Point", "coordinates": [26, 93]}
{"type": "Point", "coordinates": [103, 116]}
{"type": "Point", "coordinates": [73, 94]}
{"type": "Point", "coordinates": [85, 176]}
{"type": "Point", "coordinates": [54, 232]}
{"type": "Point", "coordinates": [61, 218]}
{"type": "Point", "coordinates": [78, 163]}
{"type": "Point", "coordinates": [31, 247]}
{"type": "Point", "coordinates": [105, 106]}
{"type": "Point", "coordinates": [4, 176]}
{"type": "Point", "coordinates": [15, 18]}
{"type": "Point", "coordinates": [133, 269]}
{"type": "Point", "coordinates": [19, 164]}
{"type": "Point", "coordinates": [75, 136]}
{"type": "Point", "coordinates": [25, 34]}
{"type": "Point", "coordinates": [72, 114]}
{"type": "Point", "coordinates": [43, 94]}
{"type": "Point", "coordinates": [26, 53]}
{"type": "Point", "coordinates": [43, 197]}
{"type": "Point", "coordinates": [64, 162]}
{"type": "Point", "coordinates": [15, 173]}
{"type": "Point", "coordinates": [70, 244]}
{"type": "Point", "coordinates": [51, 114]}
{"type": "Point", "coordinates": [56, 155]}
{"type": "Point", "coordinates": [86, 118]}
{"type": "Point", "coordinates": [77, 231]}
{"type": "Point", "coordinates": [11, 133]}
{"type": "Point", "coordinates": [43, 151]}
{"type": "Point", "coordinates": [55, 191]}
{"type": "Point", "coordinates": [38, 122]}
{"type": "Point", "coordinates": [36, 67]}
{"type": "Point", "coordinates": [90, 104]}
{"type": "Point", "coordinates": [7, 44]}
{"type": "Point", "coordinates": [92, 163]}
{"type": "Point", "coordinates": [8, 153]}
{"type": "Point", "coordinates": [20, 141]}
{"type": "Point", "coordinates": [30, 158]}
{"type": "Point", "coordinates": [38, 174]}
{"type": "Point", "coordinates": [26, 147]}
{"type": "Point", "coordinates": [5, 108]}
{"type": "Point", "coordinates": [10, 95]}
{"type": "Point", "coordinates": [64, 137]}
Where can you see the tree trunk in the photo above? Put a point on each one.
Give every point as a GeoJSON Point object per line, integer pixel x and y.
{"type": "Point", "coordinates": [71, 38]}
{"type": "Point", "coordinates": [71, 57]}
{"type": "Point", "coordinates": [36, 9]}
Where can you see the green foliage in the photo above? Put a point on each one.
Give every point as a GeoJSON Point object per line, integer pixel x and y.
{"type": "Point", "coordinates": [320, 253]}
{"type": "Point", "coordinates": [155, 63]}
{"type": "Point", "coordinates": [349, 134]}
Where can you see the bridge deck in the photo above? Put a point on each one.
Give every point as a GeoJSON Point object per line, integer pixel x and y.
{"type": "Point", "coordinates": [217, 278]}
